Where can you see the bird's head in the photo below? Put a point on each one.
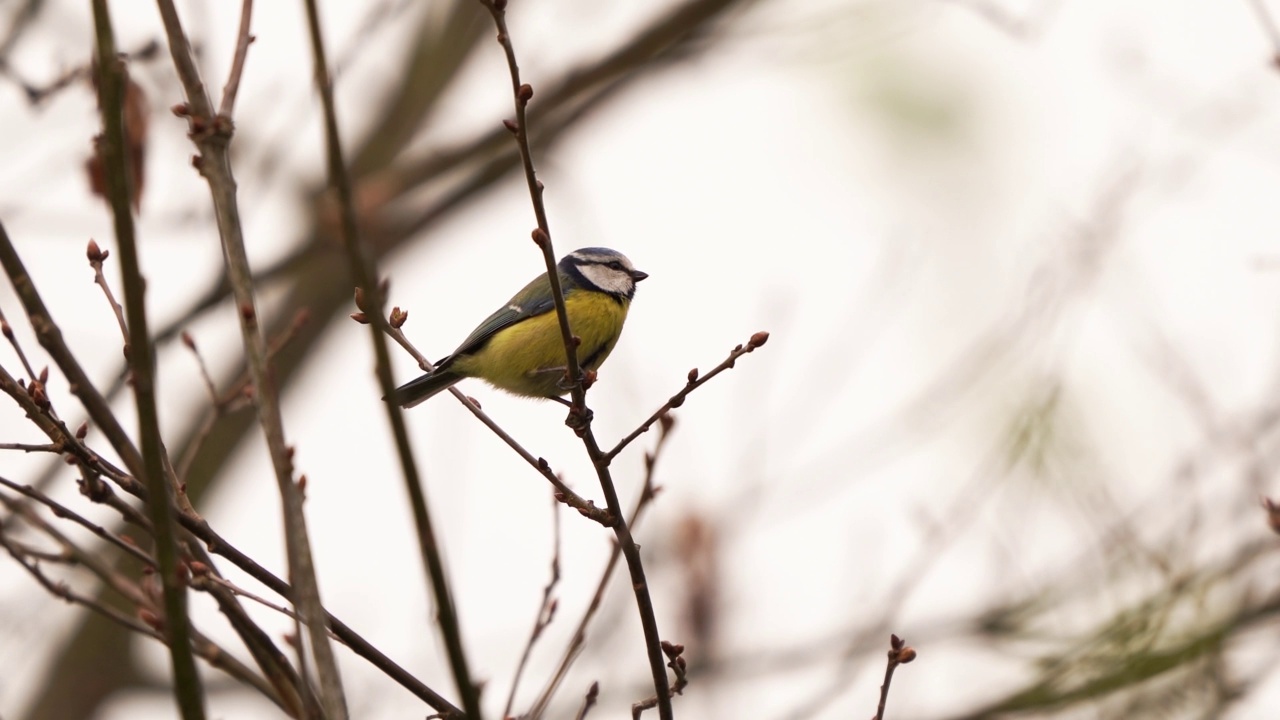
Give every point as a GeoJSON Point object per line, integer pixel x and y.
{"type": "Point", "coordinates": [602, 269]}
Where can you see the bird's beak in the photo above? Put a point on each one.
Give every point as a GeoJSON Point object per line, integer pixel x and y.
{"type": "Point", "coordinates": [637, 276]}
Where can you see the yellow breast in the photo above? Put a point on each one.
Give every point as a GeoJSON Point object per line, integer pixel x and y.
{"type": "Point", "coordinates": [528, 357]}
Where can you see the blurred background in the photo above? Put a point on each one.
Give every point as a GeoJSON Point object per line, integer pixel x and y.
{"type": "Point", "coordinates": [1020, 263]}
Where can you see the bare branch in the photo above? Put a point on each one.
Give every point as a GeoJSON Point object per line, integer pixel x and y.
{"type": "Point", "coordinates": [693, 383]}
{"type": "Point", "coordinates": [243, 39]}
{"type": "Point", "coordinates": [546, 611]}
{"type": "Point", "coordinates": [118, 174]}
{"type": "Point", "coordinates": [365, 271]}
{"type": "Point", "coordinates": [212, 135]}
{"type": "Point", "coordinates": [899, 654]}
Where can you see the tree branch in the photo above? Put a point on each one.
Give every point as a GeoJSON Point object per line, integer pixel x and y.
{"type": "Point", "coordinates": [117, 172]}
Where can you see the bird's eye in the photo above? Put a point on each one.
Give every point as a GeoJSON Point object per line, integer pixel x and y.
{"type": "Point", "coordinates": [615, 265]}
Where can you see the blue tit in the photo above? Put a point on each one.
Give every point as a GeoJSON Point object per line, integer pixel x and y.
{"type": "Point", "coordinates": [520, 349]}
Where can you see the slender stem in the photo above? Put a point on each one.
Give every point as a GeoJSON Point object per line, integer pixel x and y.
{"type": "Point", "coordinates": [694, 383]}
{"type": "Point", "coordinates": [50, 338]}
{"type": "Point", "coordinates": [74, 555]}
{"type": "Point", "coordinates": [546, 610]}
{"type": "Point", "coordinates": [63, 511]}
{"type": "Point", "coordinates": [188, 690]}
{"type": "Point", "coordinates": [593, 693]}
{"type": "Point", "coordinates": [578, 410]}
{"type": "Point", "coordinates": [1268, 25]}
{"type": "Point", "coordinates": [212, 136]}
{"type": "Point", "coordinates": [243, 38]}
{"type": "Point", "coordinates": [96, 258]}
{"type": "Point", "coordinates": [366, 273]}
{"type": "Point", "coordinates": [572, 650]}
{"type": "Point", "coordinates": [7, 331]}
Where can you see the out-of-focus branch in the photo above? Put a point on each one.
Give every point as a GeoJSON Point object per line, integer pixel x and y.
{"type": "Point", "coordinates": [212, 135]}
{"type": "Point", "coordinates": [1269, 26]}
{"type": "Point", "coordinates": [593, 694]}
{"type": "Point", "coordinates": [546, 610]}
{"type": "Point", "coordinates": [366, 274]}
{"type": "Point", "coordinates": [118, 175]}
{"type": "Point", "coordinates": [151, 624]}
{"type": "Point", "coordinates": [282, 677]}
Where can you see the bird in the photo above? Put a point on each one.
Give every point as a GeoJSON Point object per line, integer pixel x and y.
{"type": "Point", "coordinates": [520, 349]}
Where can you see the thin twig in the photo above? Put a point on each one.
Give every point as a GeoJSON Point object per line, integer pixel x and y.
{"type": "Point", "coordinates": [694, 383]}
{"type": "Point", "coordinates": [899, 654]}
{"type": "Point", "coordinates": [31, 448]}
{"type": "Point", "coordinates": [365, 273]}
{"type": "Point", "coordinates": [50, 338]}
{"type": "Point", "coordinates": [35, 404]}
{"type": "Point", "coordinates": [579, 414]}
{"type": "Point", "coordinates": [61, 590]}
{"type": "Point", "coordinates": [546, 610]}
{"type": "Point", "coordinates": [243, 39]}
{"type": "Point", "coordinates": [284, 680]}
{"type": "Point", "coordinates": [63, 511]}
{"type": "Point", "coordinates": [358, 644]}
{"type": "Point", "coordinates": [564, 493]}
{"type": "Point", "coordinates": [153, 624]}
{"type": "Point", "coordinates": [188, 689]}
{"type": "Point", "coordinates": [675, 661]}
{"type": "Point", "coordinates": [7, 331]}
{"type": "Point", "coordinates": [97, 256]}
{"type": "Point", "coordinates": [574, 648]}
{"type": "Point", "coordinates": [101, 493]}
{"type": "Point", "coordinates": [239, 394]}
{"type": "Point", "coordinates": [212, 135]}
{"type": "Point", "coordinates": [593, 694]}
{"type": "Point", "coordinates": [190, 343]}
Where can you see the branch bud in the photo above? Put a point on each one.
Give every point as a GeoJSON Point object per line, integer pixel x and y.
{"type": "Point", "coordinates": [398, 317]}
{"type": "Point", "coordinates": [94, 253]}
{"type": "Point", "coordinates": [758, 339]}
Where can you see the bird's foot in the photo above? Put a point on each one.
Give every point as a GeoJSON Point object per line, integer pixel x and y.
{"type": "Point", "coordinates": [579, 419]}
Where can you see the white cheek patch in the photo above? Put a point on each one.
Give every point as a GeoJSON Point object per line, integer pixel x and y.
{"type": "Point", "coordinates": [607, 279]}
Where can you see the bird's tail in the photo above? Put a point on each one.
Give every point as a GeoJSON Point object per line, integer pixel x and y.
{"type": "Point", "coordinates": [421, 389]}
